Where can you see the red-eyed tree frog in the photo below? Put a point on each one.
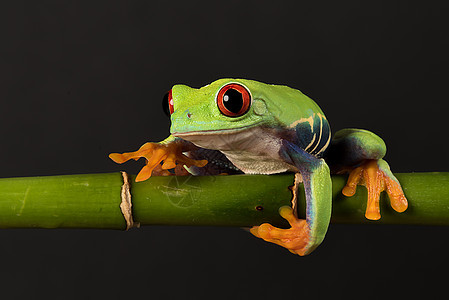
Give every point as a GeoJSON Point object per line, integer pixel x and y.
{"type": "Point", "coordinates": [243, 126]}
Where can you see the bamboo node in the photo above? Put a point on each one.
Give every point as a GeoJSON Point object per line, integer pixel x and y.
{"type": "Point", "coordinates": [295, 190]}
{"type": "Point", "coordinates": [126, 204]}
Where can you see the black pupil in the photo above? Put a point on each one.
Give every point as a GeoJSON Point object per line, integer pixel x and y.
{"type": "Point", "coordinates": [165, 106]}
{"type": "Point", "coordinates": [233, 100]}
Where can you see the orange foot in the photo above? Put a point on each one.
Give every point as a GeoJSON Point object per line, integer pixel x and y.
{"type": "Point", "coordinates": [295, 239]}
{"type": "Point", "coordinates": [376, 176]}
{"type": "Point", "coordinates": [156, 153]}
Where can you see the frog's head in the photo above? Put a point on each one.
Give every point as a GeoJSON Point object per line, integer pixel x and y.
{"type": "Point", "coordinates": [224, 106]}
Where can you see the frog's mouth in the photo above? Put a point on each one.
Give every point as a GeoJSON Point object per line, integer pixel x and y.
{"type": "Point", "coordinates": [214, 131]}
{"type": "Point", "coordinates": [216, 139]}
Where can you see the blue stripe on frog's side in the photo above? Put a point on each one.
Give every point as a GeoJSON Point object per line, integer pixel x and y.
{"type": "Point", "coordinates": [313, 134]}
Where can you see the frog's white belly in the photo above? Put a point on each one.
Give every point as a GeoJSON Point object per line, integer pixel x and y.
{"type": "Point", "coordinates": [253, 150]}
{"type": "Point", "coordinates": [256, 163]}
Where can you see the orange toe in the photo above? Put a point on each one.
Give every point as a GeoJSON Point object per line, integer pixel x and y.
{"type": "Point", "coordinates": [144, 173]}
{"type": "Point", "coordinates": [353, 180]}
{"type": "Point", "coordinates": [117, 158]}
{"type": "Point", "coordinates": [397, 198]}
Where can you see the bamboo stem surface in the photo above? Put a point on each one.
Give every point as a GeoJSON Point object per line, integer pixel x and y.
{"type": "Point", "coordinates": [93, 201]}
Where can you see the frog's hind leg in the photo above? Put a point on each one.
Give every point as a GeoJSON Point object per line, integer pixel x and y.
{"type": "Point", "coordinates": [359, 153]}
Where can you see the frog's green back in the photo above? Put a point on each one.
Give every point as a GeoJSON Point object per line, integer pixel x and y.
{"type": "Point", "coordinates": [285, 104]}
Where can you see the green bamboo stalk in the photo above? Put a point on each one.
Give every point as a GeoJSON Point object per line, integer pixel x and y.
{"type": "Point", "coordinates": [93, 201]}
{"type": "Point", "coordinates": [67, 201]}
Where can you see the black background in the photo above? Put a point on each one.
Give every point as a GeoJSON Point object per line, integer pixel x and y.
{"type": "Point", "coordinates": [81, 79]}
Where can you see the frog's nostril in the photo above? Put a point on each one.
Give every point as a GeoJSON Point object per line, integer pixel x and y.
{"type": "Point", "coordinates": [189, 115]}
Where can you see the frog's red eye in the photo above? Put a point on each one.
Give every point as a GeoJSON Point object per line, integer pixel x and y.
{"type": "Point", "coordinates": [167, 103]}
{"type": "Point", "coordinates": [233, 100]}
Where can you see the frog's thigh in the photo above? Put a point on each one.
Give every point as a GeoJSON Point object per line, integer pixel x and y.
{"type": "Point", "coordinates": [350, 147]}
{"type": "Point", "coordinates": [360, 152]}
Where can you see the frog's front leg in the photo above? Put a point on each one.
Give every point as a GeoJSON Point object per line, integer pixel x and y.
{"type": "Point", "coordinates": [160, 157]}
{"type": "Point", "coordinates": [359, 153]}
{"type": "Point", "coordinates": [304, 235]}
